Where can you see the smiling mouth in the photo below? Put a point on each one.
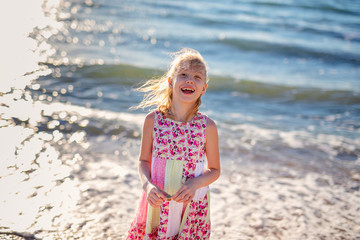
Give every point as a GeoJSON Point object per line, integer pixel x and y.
{"type": "Point", "coordinates": [187, 90]}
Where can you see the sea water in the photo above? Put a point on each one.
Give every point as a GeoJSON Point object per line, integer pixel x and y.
{"type": "Point", "coordinates": [284, 91]}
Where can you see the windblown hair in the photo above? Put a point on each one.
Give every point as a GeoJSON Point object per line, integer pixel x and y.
{"type": "Point", "coordinates": [158, 94]}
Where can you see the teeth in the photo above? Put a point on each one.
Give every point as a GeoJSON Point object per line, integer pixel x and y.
{"type": "Point", "coordinates": [188, 89]}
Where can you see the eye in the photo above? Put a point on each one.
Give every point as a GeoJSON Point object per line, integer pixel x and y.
{"type": "Point", "coordinates": [198, 77]}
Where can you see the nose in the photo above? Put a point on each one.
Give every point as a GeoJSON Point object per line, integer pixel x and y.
{"type": "Point", "coordinates": [189, 80]}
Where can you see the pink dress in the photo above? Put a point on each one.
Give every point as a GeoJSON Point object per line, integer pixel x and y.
{"type": "Point", "coordinates": [178, 154]}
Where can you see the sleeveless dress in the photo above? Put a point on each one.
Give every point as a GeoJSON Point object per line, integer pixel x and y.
{"type": "Point", "coordinates": [178, 154]}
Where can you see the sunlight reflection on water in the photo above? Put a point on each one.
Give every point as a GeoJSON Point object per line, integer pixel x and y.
{"type": "Point", "coordinates": [35, 180]}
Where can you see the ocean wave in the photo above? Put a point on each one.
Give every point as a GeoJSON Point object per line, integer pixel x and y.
{"type": "Point", "coordinates": [286, 92]}
{"type": "Point", "coordinates": [346, 7]}
{"type": "Point", "coordinates": [247, 140]}
{"type": "Point", "coordinates": [289, 50]}
{"type": "Point", "coordinates": [71, 121]}
{"type": "Point", "coordinates": [131, 77]}
{"type": "Point", "coordinates": [80, 124]}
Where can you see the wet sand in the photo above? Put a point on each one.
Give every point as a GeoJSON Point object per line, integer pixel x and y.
{"type": "Point", "coordinates": [256, 202]}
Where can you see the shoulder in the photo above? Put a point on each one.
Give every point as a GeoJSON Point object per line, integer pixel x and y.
{"type": "Point", "coordinates": [210, 123]}
{"type": "Point", "coordinates": [211, 129]}
{"type": "Point", "coordinates": [150, 118]}
{"type": "Point", "coordinates": [212, 136]}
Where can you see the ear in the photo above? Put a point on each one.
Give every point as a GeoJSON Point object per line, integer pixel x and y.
{"type": "Point", "coordinates": [204, 89]}
{"type": "Point", "coordinates": [170, 82]}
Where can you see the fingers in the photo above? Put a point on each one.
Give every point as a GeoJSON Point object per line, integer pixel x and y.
{"type": "Point", "coordinates": [184, 195]}
{"type": "Point", "coordinates": [154, 200]}
{"type": "Point", "coordinates": [179, 194]}
{"type": "Point", "coordinates": [160, 194]}
{"type": "Point", "coordinates": [186, 199]}
{"type": "Point", "coordinates": [155, 197]}
{"type": "Point", "coordinates": [183, 198]}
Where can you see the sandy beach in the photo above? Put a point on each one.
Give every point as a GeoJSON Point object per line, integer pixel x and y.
{"type": "Point", "coordinates": [255, 201]}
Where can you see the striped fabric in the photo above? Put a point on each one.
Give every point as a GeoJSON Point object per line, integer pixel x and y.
{"type": "Point", "coordinates": [178, 155]}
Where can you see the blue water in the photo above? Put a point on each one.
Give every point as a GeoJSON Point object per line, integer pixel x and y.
{"type": "Point", "coordinates": [287, 70]}
{"type": "Point", "coordinates": [303, 43]}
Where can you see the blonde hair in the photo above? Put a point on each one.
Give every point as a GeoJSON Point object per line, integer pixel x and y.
{"type": "Point", "coordinates": [159, 94]}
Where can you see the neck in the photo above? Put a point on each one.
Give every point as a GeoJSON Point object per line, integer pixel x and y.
{"type": "Point", "coordinates": [181, 112]}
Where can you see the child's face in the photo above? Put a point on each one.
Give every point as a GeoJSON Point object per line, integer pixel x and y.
{"type": "Point", "coordinates": [189, 82]}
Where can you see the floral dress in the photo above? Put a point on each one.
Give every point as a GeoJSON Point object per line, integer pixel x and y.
{"type": "Point", "coordinates": [178, 154]}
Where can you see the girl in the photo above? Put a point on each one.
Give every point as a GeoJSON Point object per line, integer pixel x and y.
{"type": "Point", "coordinates": [179, 154]}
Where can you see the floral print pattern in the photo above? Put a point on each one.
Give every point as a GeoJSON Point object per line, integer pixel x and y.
{"type": "Point", "coordinates": [179, 141]}
{"type": "Point", "coordinates": [197, 226]}
{"type": "Point", "coordinates": [185, 142]}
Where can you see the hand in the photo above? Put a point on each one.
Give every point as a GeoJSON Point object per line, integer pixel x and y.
{"type": "Point", "coordinates": [186, 193]}
{"type": "Point", "coordinates": [155, 195]}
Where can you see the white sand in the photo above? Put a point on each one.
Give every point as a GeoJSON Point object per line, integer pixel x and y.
{"type": "Point", "coordinates": [244, 205]}
{"type": "Point", "coordinates": [99, 197]}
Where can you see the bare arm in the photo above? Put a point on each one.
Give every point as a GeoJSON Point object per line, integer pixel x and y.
{"type": "Point", "coordinates": [187, 191]}
{"type": "Point", "coordinates": [154, 195]}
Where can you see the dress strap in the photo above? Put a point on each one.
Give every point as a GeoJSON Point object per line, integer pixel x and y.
{"type": "Point", "coordinates": [157, 118]}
